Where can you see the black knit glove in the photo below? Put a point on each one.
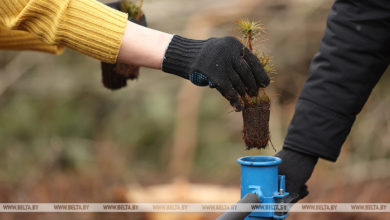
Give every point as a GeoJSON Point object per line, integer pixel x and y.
{"type": "Point", "coordinates": [221, 63]}
{"type": "Point", "coordinates": [297, 168]}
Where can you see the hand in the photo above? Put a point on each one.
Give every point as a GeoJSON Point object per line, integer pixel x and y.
{"type": "Point", "coordinates": [297, 167]}
{"type": "Point", "coordinates": [221, 63]}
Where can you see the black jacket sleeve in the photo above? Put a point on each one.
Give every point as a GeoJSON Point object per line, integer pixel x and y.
{"type": "Point", "coordinates": [354, 53]}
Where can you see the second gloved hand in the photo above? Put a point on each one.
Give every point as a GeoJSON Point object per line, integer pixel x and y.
{"type": "Point", "coordinates": [221, 63]}
{"type": "Point", "coordinates": [297, 167]}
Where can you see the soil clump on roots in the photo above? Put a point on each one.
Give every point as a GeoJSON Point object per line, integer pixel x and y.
{"type": "Point", "coordinates": [256, 123]}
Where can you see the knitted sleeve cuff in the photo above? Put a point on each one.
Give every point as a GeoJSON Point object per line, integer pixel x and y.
{"type": "Point", "coordinates": [86, 26]}
{"type": "Point", "coordinates": [180, 54]}
{"type": "Point", "coordinates": [94, 29]}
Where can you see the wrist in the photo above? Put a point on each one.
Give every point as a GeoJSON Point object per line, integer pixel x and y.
{"type": "Point", "coordinates": [295, 156]}
{"type": "Point", "coordinates": [297, 167]}
{"type": "Point", "coordinates": [143, 46]}
{"type": "Point", "coordinates": [180, 55]}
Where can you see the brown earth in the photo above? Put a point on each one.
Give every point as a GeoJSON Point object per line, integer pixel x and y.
{"type": "Point", "coordinates": [256, 124]}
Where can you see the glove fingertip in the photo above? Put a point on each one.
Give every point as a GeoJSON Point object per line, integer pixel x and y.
{"type": "Point", "coordinates": [253, 92]}
{"type": "Point", "coordinates": [258, 70]}
{"type": "Point", "coordinates": [266, 81]}
{"type": "Point", "coordinates": [237, 104]}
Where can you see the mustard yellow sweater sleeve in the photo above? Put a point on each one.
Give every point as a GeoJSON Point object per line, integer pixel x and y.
{"type": "Point", "coordinates": [86, 26]}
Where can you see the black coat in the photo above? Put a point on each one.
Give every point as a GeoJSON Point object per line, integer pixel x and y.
{"type": "Point", "coordinates": [354, 53]}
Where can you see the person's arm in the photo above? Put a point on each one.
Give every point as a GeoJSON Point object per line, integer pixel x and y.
{"type": "Point", "coordinates": [142, 46]}
{"type": "Point", "coordinates": [86, 26]}
{"type": "Point", "coordinates": [98, 31]}
{"type": "Point", "coordinates": [354, 53]}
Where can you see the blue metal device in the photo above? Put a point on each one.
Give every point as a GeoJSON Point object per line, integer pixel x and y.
{"type": "Point", "coordinates": [259, 175]}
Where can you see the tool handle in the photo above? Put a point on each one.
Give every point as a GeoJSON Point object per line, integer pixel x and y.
{"type": "Point", "coordinates": [230, 215]}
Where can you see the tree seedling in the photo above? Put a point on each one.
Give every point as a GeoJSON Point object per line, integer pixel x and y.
{"type": "Point", "coordinates": [134, 11]}
{"type": "Point", "coordinates": [256, 112]}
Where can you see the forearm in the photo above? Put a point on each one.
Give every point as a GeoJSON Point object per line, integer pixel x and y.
{"type": "Point", "coordinates": [353, 55]}
{"type": "Point", "coordinates": [143, 46]}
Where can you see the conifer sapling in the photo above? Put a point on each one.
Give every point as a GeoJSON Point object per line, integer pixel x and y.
{"type": "Point", "coordinates": [256, 112]}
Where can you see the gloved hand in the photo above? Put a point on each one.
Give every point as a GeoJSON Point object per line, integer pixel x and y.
{"type": "Point", "coordinates": [221, 63]}
{"type": "Point", "coordinates": [297, 167]}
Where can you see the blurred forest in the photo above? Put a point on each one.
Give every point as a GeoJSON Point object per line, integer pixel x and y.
{"type": "Point", "coordinates": [65, 138]}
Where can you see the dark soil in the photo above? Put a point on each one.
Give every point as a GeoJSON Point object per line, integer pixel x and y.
{"type": "Point", "coordinates": [256, 124]}
{"type": "Point", "coordinates": [115, 76]}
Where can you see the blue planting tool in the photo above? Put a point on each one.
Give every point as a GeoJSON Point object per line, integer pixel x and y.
{"type": "Point", "coordinates": [259, 175]}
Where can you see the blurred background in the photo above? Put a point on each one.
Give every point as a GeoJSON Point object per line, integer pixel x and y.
{"type": "Point", "coordinates": [65, 138]}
